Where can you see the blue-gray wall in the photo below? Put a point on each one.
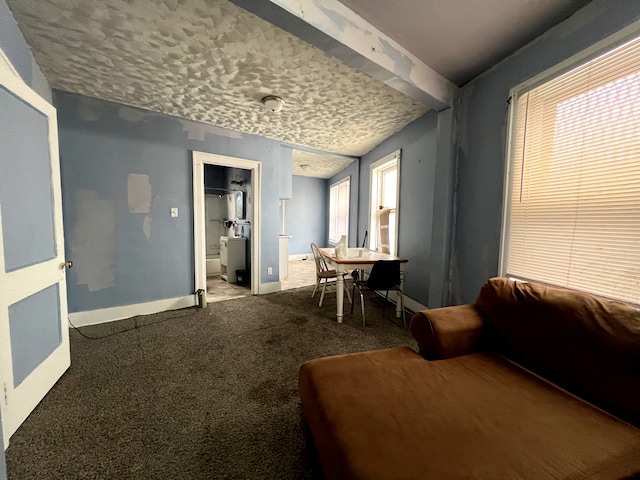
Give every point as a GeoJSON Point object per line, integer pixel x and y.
{"type": "Point", "coordinates": [426, 199]}
{"type": "Point", "coordinates": [306, 214]}
{"type": "Point", "coordinates": [482, 123]}
{"type": "Point", "coordinates": [15, 47]}
{"type": "Point", "coordinates": [144, 257]}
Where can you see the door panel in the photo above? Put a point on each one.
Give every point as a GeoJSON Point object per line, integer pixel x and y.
{"type": "Point", "coordinates": [25, 185]}
{"type": "Point", "coordinates": [34, 338]}
{"type": "Point", "coordinates": [34, 331]}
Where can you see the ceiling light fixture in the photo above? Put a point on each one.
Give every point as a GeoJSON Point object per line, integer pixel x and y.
{"type": "Point", "coordinates": [272, 103]}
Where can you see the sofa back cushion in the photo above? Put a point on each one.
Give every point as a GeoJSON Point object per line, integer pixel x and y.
{"type": "Point", "coordinates": [587, 345]}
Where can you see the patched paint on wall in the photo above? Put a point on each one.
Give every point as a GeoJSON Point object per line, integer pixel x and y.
{"type": "Point", "coordinates": [199, 131]}
{"type": "Point", "coordinates": [132, 115]}
{"type": "Point", "coordinates": [146, 226]}
{"type": "Point", "coordinates": [139, 193]}
{"type": "Point", "coordinates": [154, 257]}
{"type": "Point", "coordinates": [402, 63]}
{"type": "Point", "coordinates": [349, 37]}
{"type": "Point", "coordinates": [93, 241]}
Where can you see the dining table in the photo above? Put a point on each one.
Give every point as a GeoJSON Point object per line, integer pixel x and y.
{"type": "Point", "coordinates": [358, 259]}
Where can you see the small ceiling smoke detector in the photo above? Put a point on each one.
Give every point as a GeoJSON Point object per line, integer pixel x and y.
{"type": "Point", "coordinates": [273, 103]}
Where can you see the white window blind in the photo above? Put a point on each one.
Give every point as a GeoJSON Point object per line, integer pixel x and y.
{"type": "Point", "coordinates": [573, 216]}
{"type": "Point", "coordinates": [339, 210]}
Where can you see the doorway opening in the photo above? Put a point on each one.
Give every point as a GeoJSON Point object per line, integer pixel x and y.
{"type": "Point", "coordinates": [226, 226]}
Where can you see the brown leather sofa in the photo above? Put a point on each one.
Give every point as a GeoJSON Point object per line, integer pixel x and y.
{"type": "Point", "coordinates": [530, 382]}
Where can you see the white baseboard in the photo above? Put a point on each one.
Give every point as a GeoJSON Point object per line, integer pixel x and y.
{"type": "Point", "coordinates": [412, 305]}
{"type": "Point", "coordinates": [300, 256]}
{"type": "Point", "coordinates": [409, 303]}
{"type": "Point", "coordinates": [103, 315]}
{"type": "Point", "coordinates": [270, 287]}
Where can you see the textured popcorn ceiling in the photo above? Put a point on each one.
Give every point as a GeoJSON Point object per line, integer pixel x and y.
{"type": "Point", "coordinates": [211, 61]}
{"type": "Point", "coordinates": [314, 165]}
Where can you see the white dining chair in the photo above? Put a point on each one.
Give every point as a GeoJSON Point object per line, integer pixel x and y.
{"type": "Point", "coordinates": [325, 275]}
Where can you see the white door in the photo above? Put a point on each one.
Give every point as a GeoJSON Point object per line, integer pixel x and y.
{"type": "Point", "coordinates": [34, 338]}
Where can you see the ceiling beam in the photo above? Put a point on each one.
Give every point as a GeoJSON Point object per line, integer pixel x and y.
{"type": "Point", "coordinates": [315, 151]}
{"type": "Point", "coordinates": [337, 30]}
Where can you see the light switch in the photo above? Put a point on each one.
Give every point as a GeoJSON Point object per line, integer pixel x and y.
{"type": "Point", "coordinates": [174, 211]}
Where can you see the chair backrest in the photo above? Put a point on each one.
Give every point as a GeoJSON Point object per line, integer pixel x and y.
{"type": "Point", "coordinates": [321, 264]}
{"type": "Point", "coordinates": [385, 275]}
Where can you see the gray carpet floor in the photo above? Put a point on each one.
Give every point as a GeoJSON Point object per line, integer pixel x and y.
{"type": "Point", "coordinates": [195, 393]}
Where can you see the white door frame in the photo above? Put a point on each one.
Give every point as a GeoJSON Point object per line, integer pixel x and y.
{"type": "Point", "coordinates": [199, 221]}
{"type": "Point", "coordinates": [17, 402]}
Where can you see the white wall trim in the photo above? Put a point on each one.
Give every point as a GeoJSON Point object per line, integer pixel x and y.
{"type": "Point", "coordinates": [300, 256]}
{"type": "Point", "coordinates": [271, 287]}
{"type": "Point", "coordinates": [361, 45]}
{"type": "Point", "coordinates": [409, 303]}
{"type": "Point", "coordinates": [199, 160]}
{"type": "Point", "coordinates": [104, 315]}
{"type": "Point", "coordinates": [395, 156]}
{"type": "Point", "coordinates": [8, 66]}
{"type": "Point", "coordinates": [413, 305]}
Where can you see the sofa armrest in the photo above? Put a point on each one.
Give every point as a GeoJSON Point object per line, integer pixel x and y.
{"type": "Point", "coordinates": [447, 332]}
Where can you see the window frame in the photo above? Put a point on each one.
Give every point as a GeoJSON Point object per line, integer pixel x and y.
{"type": "Point", "coordinates": [376, 168]}
{"type": "Point", "coordinates": [598, 49]}
{"type": "Point", "coordinates": [337, 184]}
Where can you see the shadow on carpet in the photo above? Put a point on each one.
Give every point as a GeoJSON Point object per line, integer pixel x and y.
{"type": "Point", "coordinates": [194, 393]}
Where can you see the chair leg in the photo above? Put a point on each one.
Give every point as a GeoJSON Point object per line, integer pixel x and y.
{"type": "Point", "coordinates": [353, 296]}
{"type": "Point", "coordinates": [386, 299]}
{"type": "Point", "coordinates": [324, 287]}
{"type": "Point", "coordinates": [362, 308]}
{"type": "Point", "coordinates": [401, 300]}
{"type": "Point", "coordinates": [316, 287]}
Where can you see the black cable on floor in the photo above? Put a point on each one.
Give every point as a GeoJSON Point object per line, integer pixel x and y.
{"type": "Point", "coordinates": [132, 328]}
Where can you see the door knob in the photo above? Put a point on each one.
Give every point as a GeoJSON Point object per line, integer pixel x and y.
{"type": "Point", "coordinates": [68, 264]}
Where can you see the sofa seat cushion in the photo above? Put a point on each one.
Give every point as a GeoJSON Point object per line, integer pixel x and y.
{"type": "Point", "coordinates": [391, 414]}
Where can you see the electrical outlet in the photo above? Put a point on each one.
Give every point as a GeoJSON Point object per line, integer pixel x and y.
{"type": "Point", "coordinates": [174, 211]}
{"type": "Point", "coordinates": [269, 271]}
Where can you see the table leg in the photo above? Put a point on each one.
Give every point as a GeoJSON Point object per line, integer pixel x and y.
{"type": "Point", "coordinates": [339, 297]}
{"type": "Point", "coordinates": [398, 304]}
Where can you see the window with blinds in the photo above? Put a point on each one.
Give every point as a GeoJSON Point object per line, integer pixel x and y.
{"type": "Point", "coordinates": [573, 210]}
{"type": "Point", "coordinates": [339, 210]}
